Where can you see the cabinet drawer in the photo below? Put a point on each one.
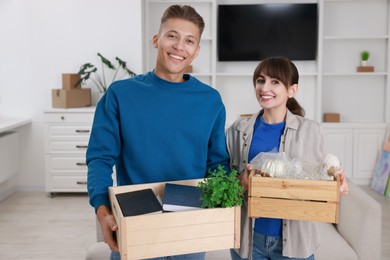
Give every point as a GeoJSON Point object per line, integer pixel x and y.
{"type": "Point", "coordinates": [69, 117]}
{"type": "Point", "coordinates": [68, 183]}
{"type": "Point", "coordinates": [72, 130]}
{"type": "Point", "coordinates": [78, 146]}
{"type": "Point", "coordinates": [58, 163]}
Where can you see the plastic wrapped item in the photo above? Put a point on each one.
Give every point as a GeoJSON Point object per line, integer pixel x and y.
{"type": "Point", "coordinates": [278, 165]}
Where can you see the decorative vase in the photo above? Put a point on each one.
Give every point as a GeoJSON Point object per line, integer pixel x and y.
{"type": "Point", "coordinates": [363, 63]}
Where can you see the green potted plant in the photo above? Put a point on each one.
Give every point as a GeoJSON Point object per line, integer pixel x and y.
{"type": "Point", "coordinates": [88, 71]}
{"type": "Point", "coordinates": [364, 55]}
{"type": "Point", "coordinates": [221, 189]}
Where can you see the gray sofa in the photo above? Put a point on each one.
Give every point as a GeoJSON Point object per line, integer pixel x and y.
{"type": "Point", "coordinates": [357, 236]}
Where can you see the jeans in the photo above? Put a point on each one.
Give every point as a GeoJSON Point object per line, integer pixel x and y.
{"type": "Point", "coordinates": [195, 256]}
{"type": "Point", "coordinates": [267, 248]}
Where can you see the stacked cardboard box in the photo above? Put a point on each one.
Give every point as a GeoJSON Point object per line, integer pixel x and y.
{"type": "Point", "coordinates": [71, 94]}
{"type": "Point", "coordinates": [331, 117]}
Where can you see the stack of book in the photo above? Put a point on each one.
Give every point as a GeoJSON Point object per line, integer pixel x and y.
{"type": "Point", "coordinates": [139, 202]}
{"type": "Point", "coordinates": [179, 197]}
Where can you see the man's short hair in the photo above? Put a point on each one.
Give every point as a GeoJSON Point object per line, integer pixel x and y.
{"type": "Point", "coordinates": [185, 12]}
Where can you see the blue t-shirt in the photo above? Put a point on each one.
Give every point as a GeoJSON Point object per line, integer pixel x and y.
{"type": "Point", "coordinates": [266, 137]}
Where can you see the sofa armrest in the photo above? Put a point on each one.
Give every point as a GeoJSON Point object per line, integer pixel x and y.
{"type": "Point", "coordinates": [360, 222]}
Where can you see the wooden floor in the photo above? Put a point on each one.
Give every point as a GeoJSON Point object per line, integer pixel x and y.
{"type": "Point", "coordinates": [35, 226]}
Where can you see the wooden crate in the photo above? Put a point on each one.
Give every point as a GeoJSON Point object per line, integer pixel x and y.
{"type": "Point", "coordinates": [294, 199]}
{"type": "Point", "coordinates": [173, 233]}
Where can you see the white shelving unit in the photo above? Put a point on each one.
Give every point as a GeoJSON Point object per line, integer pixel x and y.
{"type": "Point", "coordinates": [328, 84]}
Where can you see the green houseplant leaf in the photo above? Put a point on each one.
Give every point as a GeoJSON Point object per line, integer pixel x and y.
{"type": "Point", "coordinates": [365, 55]}
{"type": "Point", "coordinates": [88, 71]}
{"type": "Point", "coordinates": [221, 189]}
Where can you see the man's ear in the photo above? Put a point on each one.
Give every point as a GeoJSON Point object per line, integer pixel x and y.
{"type": "Point", "coordinates": [292, 90]}
{"type": "Point", "coordinates": [155, 41]}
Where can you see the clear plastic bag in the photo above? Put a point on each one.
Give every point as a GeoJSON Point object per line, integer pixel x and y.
{"type": "Point", "coordinates": [279, 165]}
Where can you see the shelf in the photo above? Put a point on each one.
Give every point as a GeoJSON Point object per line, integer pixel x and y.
{"type": "Point", "coordinates": [203, 39]}
{"type": "Point", "coordinates": [227, 74]}
{"type": "Point", "coordinates": [355, 74]}
{"type": "Point", "coordinates": [351, 0]}
{"type": "Point", "coordinates": [201, 74]}
{"type": "Point", "coordinates": [378, 37]}
{"type": "Point", "coordinates": [359, 125]}
{"type": "Point", "coordinates": [178, 1]}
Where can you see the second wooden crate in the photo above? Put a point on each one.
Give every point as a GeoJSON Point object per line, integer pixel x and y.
{"type": "Point", "coordinates": [294, 199]}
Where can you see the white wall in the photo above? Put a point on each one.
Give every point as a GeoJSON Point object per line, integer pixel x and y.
{"type": "Point", "coordinates": [40, 40]}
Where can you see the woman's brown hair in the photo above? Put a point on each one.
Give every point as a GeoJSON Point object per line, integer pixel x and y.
{"type": "Point", "coordinates": [284, 70]}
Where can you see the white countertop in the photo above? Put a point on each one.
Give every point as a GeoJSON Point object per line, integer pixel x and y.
{"type": "Point", "coordinates": [10, 123]}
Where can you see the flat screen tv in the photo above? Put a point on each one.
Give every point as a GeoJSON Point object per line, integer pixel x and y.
{"type": "Point", "coordinates": [252, 32]}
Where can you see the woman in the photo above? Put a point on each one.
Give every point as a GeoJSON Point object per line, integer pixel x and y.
{"type": "Point", "coordinates": [278, 125]}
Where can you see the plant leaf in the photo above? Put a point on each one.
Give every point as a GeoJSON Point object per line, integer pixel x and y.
{"type": "Point", "coordinates": [106, 62]}
{"type": "Point", "coordinates": [124, 66]}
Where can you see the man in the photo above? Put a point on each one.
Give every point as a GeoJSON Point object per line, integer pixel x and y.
{"type": "Point", "coordinates": [160, 126]}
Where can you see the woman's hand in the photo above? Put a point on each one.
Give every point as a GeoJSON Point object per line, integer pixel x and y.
{"type": "Point", "coordinates": [244, 176]}
{"type": "Point", "coordinates": [344, 189]}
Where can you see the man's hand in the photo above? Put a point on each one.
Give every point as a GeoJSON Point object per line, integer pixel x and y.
{"type": "Point", "coordinates": [108, 226]}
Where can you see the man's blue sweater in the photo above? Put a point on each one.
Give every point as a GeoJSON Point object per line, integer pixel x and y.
{"type": "Point", "coordinates": [154, 130]}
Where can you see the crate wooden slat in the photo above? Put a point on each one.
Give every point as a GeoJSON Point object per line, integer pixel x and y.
{"type": "Point", "coordinates": [163, 234]}
{"type": "Point", "coordinates": [294, 199]}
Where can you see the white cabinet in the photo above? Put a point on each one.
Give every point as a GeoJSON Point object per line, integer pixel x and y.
{"type": "Point", "coordinates": [358, 147]}
{"type": "Point", "coordinates": [339, 142]}
{"type": "Point", "coordinates": [66, 141]}
{"type": "Point", "coordinates": [9, 155]}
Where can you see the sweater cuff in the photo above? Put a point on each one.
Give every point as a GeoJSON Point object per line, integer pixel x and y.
{"type": "Point", "coordinates": [100, 200]}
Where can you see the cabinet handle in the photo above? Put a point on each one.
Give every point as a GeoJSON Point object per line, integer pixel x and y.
{"type": "Point", "coordinates": [82, 131]}
{"type": "Point", "coordinates": [81, 146]}
{"type": "Point", "coordinates": [81, 164]}
{"type": "Point", "coordinates": [81, 182]}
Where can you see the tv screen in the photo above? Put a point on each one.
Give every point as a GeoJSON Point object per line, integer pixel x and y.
{"type": "Point", "coordinates": [253, 32]}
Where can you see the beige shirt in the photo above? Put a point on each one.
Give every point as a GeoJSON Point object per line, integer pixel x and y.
{"type": "Point", "coordinates": [302, 138]}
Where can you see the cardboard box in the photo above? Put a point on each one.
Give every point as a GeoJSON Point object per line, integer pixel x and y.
{"type": "Point", "coordinates": [63, 98]}
{"type": "Point", "coordinates": [294, 199]}
{"type": "Point", "coordinates": [174, 233]}
{"type": "Point", "coordinates": [365, 69]}
{"type": "Point", "coordinates": [69, 81]}
{"type": "Point", "coordinates": [188, 69]}
{"type": "Point", "coordinates": [332, 117]}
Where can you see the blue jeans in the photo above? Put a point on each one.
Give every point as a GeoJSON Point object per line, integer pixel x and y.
{"type": "Point", "coordinates": [266, 248]}
{"type": "Point", "coordinates": [195, 256]}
